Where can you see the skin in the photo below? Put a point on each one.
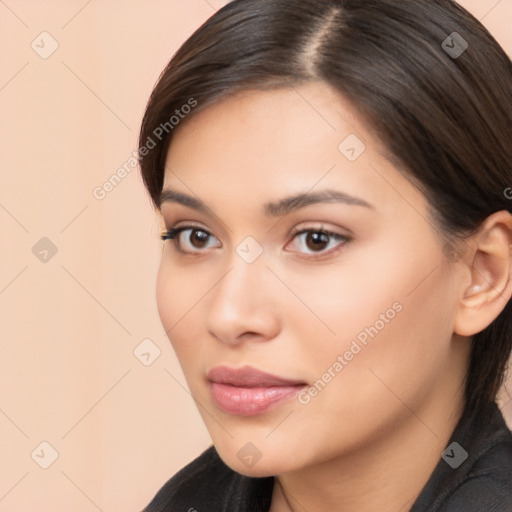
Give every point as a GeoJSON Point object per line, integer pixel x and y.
{"type": "Point", "coordinates": [371, 438]}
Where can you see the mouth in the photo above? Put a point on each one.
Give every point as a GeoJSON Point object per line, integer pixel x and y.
{"type": "Point", "coordinates": [249, 392]}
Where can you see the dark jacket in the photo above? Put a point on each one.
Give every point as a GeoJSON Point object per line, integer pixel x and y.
{"type": "Point", "coordinates": [474, 474]}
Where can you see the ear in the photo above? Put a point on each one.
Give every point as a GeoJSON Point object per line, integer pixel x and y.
{"type": "Point", "coordinates": [488, 286]}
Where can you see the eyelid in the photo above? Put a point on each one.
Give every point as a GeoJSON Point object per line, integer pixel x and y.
{"type": "Point", "coordinates": [178, 216]}
{"type": "Point", "coordinates": [321, 226]}
{"type": "Point", "coordinates": [345, 239]}
{"type": "Point", "coordinates": [186, 224]}
{"type": "Point", "coordinates": [169, 227]}
{"type": "Point", "coordinates": [173, 234]}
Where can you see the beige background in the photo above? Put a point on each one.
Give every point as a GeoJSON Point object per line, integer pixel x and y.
{"type": "Point", "coordinates": [69, 325]}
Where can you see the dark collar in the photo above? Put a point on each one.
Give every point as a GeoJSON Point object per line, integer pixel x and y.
{"type": "Point", "coordinates": [474, 474]}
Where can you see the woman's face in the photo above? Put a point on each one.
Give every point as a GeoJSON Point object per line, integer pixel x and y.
{"type": "Point", "coordinates": [345, 289]}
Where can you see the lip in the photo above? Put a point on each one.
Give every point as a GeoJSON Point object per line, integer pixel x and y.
{"type": "Point", "coordinates": [248, 392]}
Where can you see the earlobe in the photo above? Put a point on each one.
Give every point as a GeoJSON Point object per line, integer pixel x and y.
{"type": "Point", "coordinates": [489, 265]}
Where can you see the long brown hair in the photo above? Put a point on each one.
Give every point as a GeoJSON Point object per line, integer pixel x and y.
{"type": "Point", "coordinates": [432, 83]}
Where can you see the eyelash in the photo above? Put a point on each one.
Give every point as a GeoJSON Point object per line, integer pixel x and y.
{"type": "Point", "coordinates": [312, 256]}
{"type": "Point", "coordinates": [172, 234]}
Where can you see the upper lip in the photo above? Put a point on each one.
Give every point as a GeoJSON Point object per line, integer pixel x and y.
{"type": "Point", "coordinates": [248, 377]}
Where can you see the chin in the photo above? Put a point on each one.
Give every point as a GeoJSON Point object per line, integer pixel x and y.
{"type": "Point", "coordinates": [260, 468]}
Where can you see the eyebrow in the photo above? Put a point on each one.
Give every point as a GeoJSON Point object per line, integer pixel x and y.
{"type": "Point", "coordinates": [273, 208]}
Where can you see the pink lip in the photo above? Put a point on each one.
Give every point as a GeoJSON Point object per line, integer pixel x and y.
{"type": "Point", "coordinates": [248, 392]}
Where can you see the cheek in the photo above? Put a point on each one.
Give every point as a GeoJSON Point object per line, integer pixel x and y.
{"type": "Point", "coordinates": [393, 320]}
{"type": "Point", "coordinates": [167, 301]}
{"type": "Point", "coordinates": [341, 302]}
{"type": "Point", "coordinates": [178, 294]}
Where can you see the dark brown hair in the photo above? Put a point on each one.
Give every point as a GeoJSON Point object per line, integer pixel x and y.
{"type": "Point", "coordinates": [440, 102]}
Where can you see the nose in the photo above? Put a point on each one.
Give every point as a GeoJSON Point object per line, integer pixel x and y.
{"type": "Point", "coordinates": [243, 305]}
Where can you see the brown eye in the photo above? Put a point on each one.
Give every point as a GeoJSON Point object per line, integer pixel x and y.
{"type": "Point", "coordinates": [316, 240]}
{"type": "Point", "coordinates": [198, 238]}
{"type": "Point", "coordinates": [191, 239]}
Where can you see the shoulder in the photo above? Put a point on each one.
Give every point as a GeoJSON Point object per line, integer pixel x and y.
{"type": "Point", "coordinates": [208, 482]}
{"type": "Point", "coordinates": [203, 476]}
{"type": "Point", "coordinates": [488, 484]}
{"type": "Point", "coordinates": [482, 480]}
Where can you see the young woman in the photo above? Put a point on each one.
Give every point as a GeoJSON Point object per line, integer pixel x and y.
{"type": "Point", "coordinates": [333, 177]}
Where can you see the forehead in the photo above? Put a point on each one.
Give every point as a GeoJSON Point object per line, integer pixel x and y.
{"type": "Point", "coordinates": [289, 120]}
{"type": "Point", "coordinates": [261, 144]}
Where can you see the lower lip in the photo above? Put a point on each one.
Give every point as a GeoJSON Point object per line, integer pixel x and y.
{"type": "Point", "coordinates": [251, 401]}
